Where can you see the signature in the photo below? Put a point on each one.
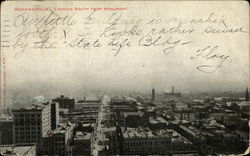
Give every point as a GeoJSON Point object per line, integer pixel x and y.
{"type": "Point", "coordinates": [210, 54]}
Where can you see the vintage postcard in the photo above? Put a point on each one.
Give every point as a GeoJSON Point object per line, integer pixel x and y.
{"type": "Point", "coordinates": [124, 78]}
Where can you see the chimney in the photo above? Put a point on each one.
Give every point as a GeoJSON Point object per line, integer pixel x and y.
{"type": "Point", "coordinates": [247, 95]}
{"type": "Point", "coordinates": [172, 89]}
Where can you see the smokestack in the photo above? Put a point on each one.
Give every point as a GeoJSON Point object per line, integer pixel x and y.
{"type": "Point", "coordinates": [247, 95]}
{"type": "Point", "coordinates": [172, 89]}
{"type": "Point", "coordinates": [153, 94]}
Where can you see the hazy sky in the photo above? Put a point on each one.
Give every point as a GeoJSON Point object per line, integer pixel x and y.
{"type": "Point", "coordinates": [78, 71]}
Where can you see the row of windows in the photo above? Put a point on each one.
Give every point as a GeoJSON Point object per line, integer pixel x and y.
{"type": "Point", "coordinates": [27, 134]}
{"type": "Point", "coordinates": [25, 140]}
{"type": "Point", "coordinates": [147, 143]}
{"type": "Point", "coordinates": [27, 128]}
{"type": "Point", "coordinates": [27, 122]}
{"type": "Point", "coordinates": [27, 137]}
{"type": "Point", "coordinates": [28, 119]}
{"type": "Point", "coordinates": [27, 115]}
{"type": "Point", "coordinates": [59, 139]}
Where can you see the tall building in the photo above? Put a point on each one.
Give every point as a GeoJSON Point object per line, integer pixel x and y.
{"type": "Point", "coordinates": [82, 144]}
{"type": "Point", "coordinates": [57, 142]}
{"type": "Point", "coordinates": [247, 95]}
{"type": "Point", "coordinates": [65, 102]}
{"type": "Point", "coordinates": [32, 123]}
{"type": "Point", "coordinates": [54, 115]}
{"type": "Point", "coordinates": [6, 129]}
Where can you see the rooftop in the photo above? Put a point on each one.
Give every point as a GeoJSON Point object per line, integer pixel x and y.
{"type": "Point", "coordinates": [143, 132]}
{"type": "Point", "coordinates": [6, 117]}
{"type": "Point", "coordinates": [32, 107]}
{"type": "Point", "coordinates": [63, 127]}
{"type": "Point", "coordinates": [157, 120]}
{"type": "Point", "coordinates": [82, 136]}
{"type": "Point", "coordinates": [137, 132]}
{"type": "Point", "coordinates": [133, 114]}
{"type": "Point", "coordinates": [24, 150]}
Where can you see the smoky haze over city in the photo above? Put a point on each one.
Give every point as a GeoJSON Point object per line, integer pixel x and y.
{"type": "Point", "coordinates": [91, 73]}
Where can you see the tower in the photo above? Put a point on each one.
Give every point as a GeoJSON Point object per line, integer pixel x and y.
{"type": "Point", "coordinates": [153, 94]}
{"type": "Point", "coordinates": [172, 89]}
{"type": "Point", "coordinates": [247, 95]}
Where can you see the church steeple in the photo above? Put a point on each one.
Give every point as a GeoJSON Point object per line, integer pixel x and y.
{"type": "Point", "coordinates": [247, 95]}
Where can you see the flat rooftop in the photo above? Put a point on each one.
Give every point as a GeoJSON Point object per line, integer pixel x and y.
{"type": "Point", "coordinates": [82, 136]}
{"type": "Point", "coordinates": [63, 127]}
{"type": "Point", "coordinates": [157, 120]}
{"type": "Point", "coordinates": [24, 150]}
{"type": "Point", "coordinates": [142, 133]}
{"type": "Point", "coordinates": [5, 118]}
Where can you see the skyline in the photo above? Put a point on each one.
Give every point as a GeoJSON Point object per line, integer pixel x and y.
{"type": "Point", "coordinates": [23, 100]}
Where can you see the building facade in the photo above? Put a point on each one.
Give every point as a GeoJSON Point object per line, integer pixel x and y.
{"type": "Point", "coordinates": [6, 130]}
{"type": "Point", "coordinates": [146, 142]}
{"type": "Point", "coordinates": [82, 144]}
{"type": "Point", "coordinates": [54, 115]}
{"type": "Point", "coordinates": [31, 124]}
{"type": "Point", "coordinates": [57, 142]}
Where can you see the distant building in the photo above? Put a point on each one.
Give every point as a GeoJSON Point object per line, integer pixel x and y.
{"type": "Point", "coordinates": [179, 106]}
{"type": "Point", "coordinates": [31, 124]}
{"type": "Point", "coordinates": [6, 130]}
{"type": "Point", "coordinates": [133, 119]}
{"type": "Point", "coordinates": [82, 144]}
{"type": "Point", "coordinates": [88, 104]}
{"type": "Point", "coordinates": [65, 102]}
{"type": "Point", "coordinates": [217, 114]}
{"type": "Point", "coordinates": [172, 95]}
{"type": "Point", "coordinates": [164, 99]}
{"type": "Point", "coordinates": [122, 105]}
{"type": "Point", "coordinates": [188, 115]}
{"type": "Point", "coordinates": [157, 123]}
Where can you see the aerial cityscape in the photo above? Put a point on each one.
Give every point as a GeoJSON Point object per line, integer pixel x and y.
{"type": "Point", "coordinates": [124, 78]}
{"type": "Point", "coordinates": [157, 123]}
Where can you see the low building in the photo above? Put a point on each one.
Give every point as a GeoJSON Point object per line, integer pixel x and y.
{"type": "Point", "coordinates": [88, 104]}
{"type": "Point", "coordinates": [18, 150]}
{"type": "Point", "coordinates": [157, 123]}
{"type": "Point", "coordinates": [142, 141]}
